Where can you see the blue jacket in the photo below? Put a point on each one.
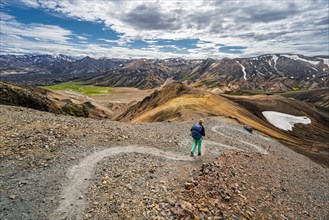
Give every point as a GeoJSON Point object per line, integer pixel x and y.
{"type": "Point", "coordinates": [197, 131]}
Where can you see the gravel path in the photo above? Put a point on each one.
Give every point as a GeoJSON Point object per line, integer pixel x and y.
{"type": "Point", "coordinates": [72, 202]}
{"type": "Point", "coordinates": [221, 129]}
{"type": "Point", "coordinates": [114, 170]}
{"type": "Point", "coordinates": [79, 175]}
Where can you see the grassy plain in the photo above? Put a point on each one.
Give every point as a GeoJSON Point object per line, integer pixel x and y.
{"type": "Point", "coordinates": [80, 87]}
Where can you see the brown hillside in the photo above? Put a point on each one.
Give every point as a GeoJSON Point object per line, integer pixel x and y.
{"type": "Point", "coordinates": [314, 136]}
{"type": "Point", "coordinates": [157, 98]}
{"type": "Point", "coordinates": [178, 102]}
{"type": "Point", "coordinates": [318, 97]}
{"type": "Point", "coordinates": [45, 100]}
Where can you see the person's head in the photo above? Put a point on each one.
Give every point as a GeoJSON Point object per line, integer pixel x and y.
{"type": "Point", "coordinates": [200, 121]}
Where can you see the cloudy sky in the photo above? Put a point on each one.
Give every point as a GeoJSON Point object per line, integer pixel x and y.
{"type": "Point", "coordinates": [164, 28]}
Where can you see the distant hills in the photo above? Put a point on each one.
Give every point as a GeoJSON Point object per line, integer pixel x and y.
{"type": "Point", "coordinates": [274, 72]}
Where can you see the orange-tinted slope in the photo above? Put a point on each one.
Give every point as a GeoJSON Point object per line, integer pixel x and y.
{"type": "Point", "coordinates": [178, 102]}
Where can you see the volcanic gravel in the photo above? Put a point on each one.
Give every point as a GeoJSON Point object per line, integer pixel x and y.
{"type": "Point", "coordinates": [153, 176]}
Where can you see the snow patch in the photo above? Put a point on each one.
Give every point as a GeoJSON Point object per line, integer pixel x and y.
{"type": "Point", "coordinates": [243, 70]}
{"type": "Point", "coordinates": [267, 70]}
{"type": "Point", "coordinates": [284, 121]}
{"type": "Point", "coordinates": [325, 61]}
{"type": "Point", "coordinates": [315, 69]}
{"type": "Point", "coordinates": [212, 65]}
{"type": "Point", "coordinates": [260, 73]}
{"type": "Point", "coordinates": [295, 57]}
{"type": "Point", "coordinates": [275, 58]}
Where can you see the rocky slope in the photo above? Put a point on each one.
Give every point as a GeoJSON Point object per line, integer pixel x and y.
{"type": "Point", "coordinates": [157, 98]}
{"type": "Point", "coordinates": [45, 100]}
{"type": "Point", "coordinates": [141, 74]}
{"type": "Point", "coordinates": [63, 167]}
{"type": "Point", "coordinates": [279, 72]}
{"type": "Point", "coordinates": [318, 97]}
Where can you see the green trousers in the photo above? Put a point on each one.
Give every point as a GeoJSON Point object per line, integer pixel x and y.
{"type": "Point", "coordinates": [197, 142]}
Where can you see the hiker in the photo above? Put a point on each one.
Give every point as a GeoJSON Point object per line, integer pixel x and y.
{"type": "Point", "coordinates": [197, 132]}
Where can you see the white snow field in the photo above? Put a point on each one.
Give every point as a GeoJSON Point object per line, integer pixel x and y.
{"type": "Point", "coordinates": [243, 70]}
{"type": "Point", "coordinates": [275, 58]}
{"type": "Point", "coordinates": [295, 57]}
{"type": "Point", "coordinates": [284, 121]}
{"type": "Point", "coordinates": [325, 61]}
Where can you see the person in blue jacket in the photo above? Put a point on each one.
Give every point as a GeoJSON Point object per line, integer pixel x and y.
{"type": "Point", "coordinates": [197, 132]}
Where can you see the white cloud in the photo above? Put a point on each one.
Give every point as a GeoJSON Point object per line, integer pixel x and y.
{"type": "Point", "coordinates": [31, 3]}
{"type": "Point", "coordinates": [294, 26]}
{"type": "Point", "coordinates": [81, 38]}
{"type": "Point", "coordinates": [6, 17]}
{"type": "Point", "coordinates": [50, 33]}
{"type": "Point", "coordinates": [47, 39]}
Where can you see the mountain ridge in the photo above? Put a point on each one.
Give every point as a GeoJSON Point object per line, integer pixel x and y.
{"type": "Point", "coordinates": [275, 73]}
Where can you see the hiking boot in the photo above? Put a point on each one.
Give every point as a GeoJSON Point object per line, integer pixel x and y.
{"type": "Point", "coordinates": [192, 155]}
{"type": "Point", "coordinates": [199, 154]}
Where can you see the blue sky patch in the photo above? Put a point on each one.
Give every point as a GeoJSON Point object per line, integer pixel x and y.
{"type": "Point", "coordinates": [232, 49]}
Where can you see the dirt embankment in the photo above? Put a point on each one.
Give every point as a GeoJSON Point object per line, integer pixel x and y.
{"type": "Point", "coordinates": [45, 100]}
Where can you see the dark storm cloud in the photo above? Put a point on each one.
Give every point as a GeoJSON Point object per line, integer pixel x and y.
{"type": "Point", "coordinates": [266, 14]}
{"type": "Point", "coordinates": [323, 21]}
{"type": "Point", "coordinates": [264, 37]}
{"type": "Point", "coordinates": [200, 20]}
{"type": "Point", "coordinates": [150, 18]}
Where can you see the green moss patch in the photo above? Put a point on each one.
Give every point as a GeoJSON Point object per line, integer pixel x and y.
{"type": "Point", "coordinates": [80, 87]}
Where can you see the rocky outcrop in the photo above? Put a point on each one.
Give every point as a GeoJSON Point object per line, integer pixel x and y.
{"type": "Point", "coordinates": [17, 95]}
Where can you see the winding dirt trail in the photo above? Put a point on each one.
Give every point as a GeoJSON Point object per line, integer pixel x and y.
{"type": "Point", "coordinates": [258, 149]}
{"type": "Point", "coordinates": [72, 203]}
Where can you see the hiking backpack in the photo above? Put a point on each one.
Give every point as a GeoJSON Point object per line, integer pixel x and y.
{"type": "Point", "coordinates": [196, 132]}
